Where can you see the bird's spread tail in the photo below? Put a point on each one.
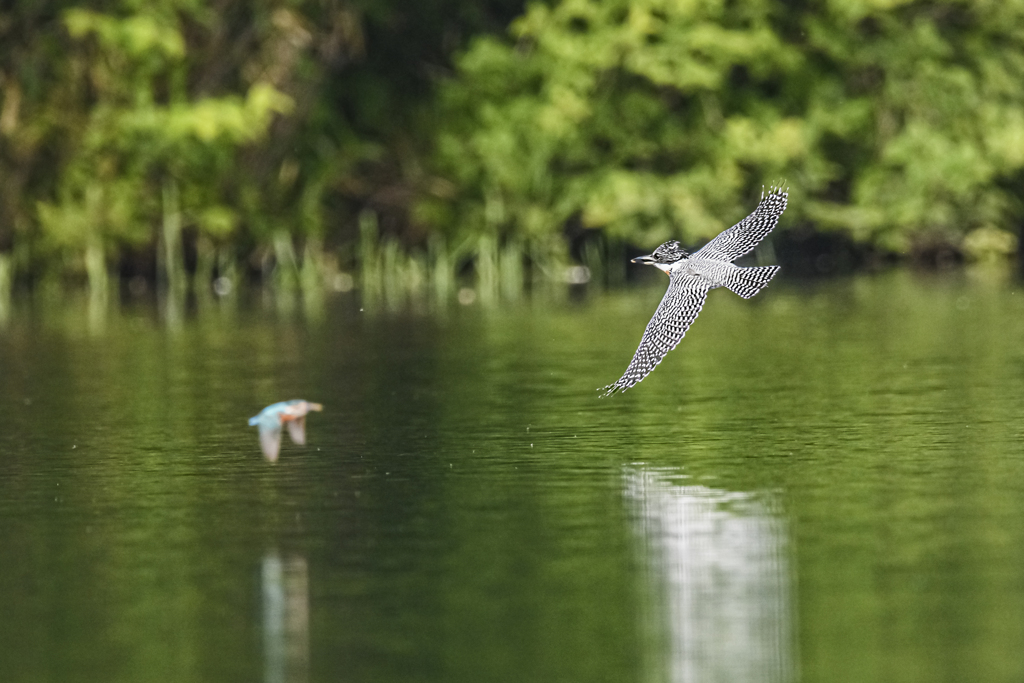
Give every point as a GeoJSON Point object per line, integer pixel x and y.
{"type": "Point", "coordinates": [749, 281]}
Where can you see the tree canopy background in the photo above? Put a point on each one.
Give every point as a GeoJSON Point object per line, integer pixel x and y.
{"type": "Point", "coordinates": [200, 137]}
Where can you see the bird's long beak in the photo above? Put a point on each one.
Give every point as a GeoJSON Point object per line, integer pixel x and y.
{"type": "Point", "coordinates": [649, 259]}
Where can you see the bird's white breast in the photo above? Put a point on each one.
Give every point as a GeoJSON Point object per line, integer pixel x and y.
{"type": "Point", "coordinates": [667, 267]}
{"type": "Point", "coordinates": [709, 269]}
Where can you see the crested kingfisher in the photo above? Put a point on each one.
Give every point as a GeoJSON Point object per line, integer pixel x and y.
{"type": "Point", "coordinates": [691, 277]}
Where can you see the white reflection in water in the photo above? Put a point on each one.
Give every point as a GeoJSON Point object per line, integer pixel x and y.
{"type": "Point", "coordinates": [285, 619]}
{"type": "Point", "coordinates": [723, 585]}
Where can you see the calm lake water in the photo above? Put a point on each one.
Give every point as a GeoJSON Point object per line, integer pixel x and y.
{"type": "Point", "coordinates": [825, 483]}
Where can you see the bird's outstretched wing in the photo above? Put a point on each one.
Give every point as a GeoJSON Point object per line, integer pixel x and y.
{"type": "Point", "coordinates": [741, 238]}
{"type": "Point", "coordinates": [297, 430]}
{"type": "Point", "coordinates": [676, 312]}
{"type": "Point", "coordinates": [270, 440]}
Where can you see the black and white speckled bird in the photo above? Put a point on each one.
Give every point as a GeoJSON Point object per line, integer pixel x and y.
{"type": "Point", "coordinates": [691, 277]}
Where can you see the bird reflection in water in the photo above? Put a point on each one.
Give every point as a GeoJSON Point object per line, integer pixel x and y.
{"type": "Point", "coordinates": [273, 417]}
{"type": "Point", "coordinates": [722, 578]}
{"type": "Point", "coordinates": [285, 619]}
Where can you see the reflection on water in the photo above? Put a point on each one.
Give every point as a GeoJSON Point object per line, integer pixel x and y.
{"type": "Point", "coordinates": [285, 619]}
{"type": "Point", "coordinates": [720, 562]}
{"type": "Point", "coordinates": [458, 528]}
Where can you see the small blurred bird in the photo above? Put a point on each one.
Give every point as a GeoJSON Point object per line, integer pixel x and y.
{"type": "Point", "coordinates": [293, 413]}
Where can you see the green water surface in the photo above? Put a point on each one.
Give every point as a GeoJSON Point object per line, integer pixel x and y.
{"type": "Point", "coordinates": [824, 483]}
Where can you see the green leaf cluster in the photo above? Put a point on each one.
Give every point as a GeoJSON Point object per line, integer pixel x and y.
{"type": "Point", "coordinates": [259, 131]}
{"type": "Point", "coordinates": [123, 120]}
{"type": "Point", "coordinates": [650, 119]}
{"type": "Point", "coordinates": [142, 128]}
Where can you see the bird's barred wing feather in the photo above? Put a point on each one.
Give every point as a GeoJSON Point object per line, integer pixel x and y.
{"type": "Point", "coordinates": [741, 238]}
{"type": "Point", "coordinates": [676, 312]}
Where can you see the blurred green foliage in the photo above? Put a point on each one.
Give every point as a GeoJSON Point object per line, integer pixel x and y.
{"type": "Point", "coordinates": [168, 136]}
{"type": "Point", "coordinates": [657, 118]}
{"type": "Point", "coordinates": [171, 137]}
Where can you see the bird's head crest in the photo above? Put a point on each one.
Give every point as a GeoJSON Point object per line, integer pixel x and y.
{"type": "Point", "coordinates": [669, 252]}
